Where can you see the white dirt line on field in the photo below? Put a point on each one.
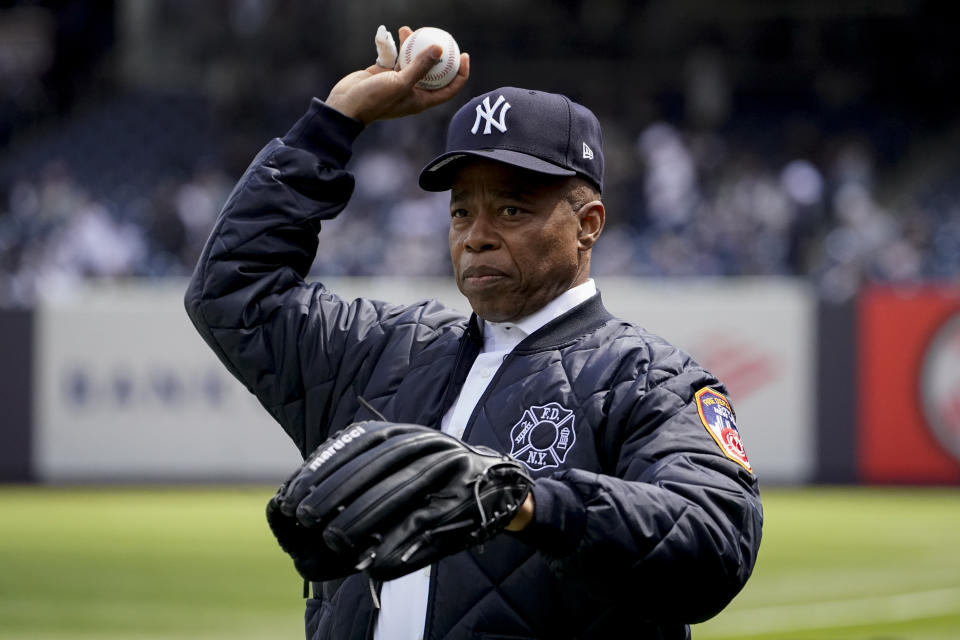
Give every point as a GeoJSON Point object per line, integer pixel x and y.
{"type": "Point", "coordinates": [838, 613]}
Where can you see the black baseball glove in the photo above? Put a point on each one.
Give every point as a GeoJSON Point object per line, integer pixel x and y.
{"type": "Point", "coordinates": [391, 498]}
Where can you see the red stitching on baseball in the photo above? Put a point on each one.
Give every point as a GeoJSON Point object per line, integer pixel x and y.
{"type": "Point", "coordinates": [433, 76]}
{"type": "Point", "coordinates": [408, 47]}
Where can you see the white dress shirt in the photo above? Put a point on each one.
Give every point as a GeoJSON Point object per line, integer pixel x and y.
{"type": "Point", "coordinates": [403, 602]}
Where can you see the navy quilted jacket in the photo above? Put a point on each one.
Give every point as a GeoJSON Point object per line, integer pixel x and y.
{"type": "Point", "coordinates": [643, 524]}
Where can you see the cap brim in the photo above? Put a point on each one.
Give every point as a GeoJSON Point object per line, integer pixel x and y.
{"type": "Point", "coordinates": [439, 174]}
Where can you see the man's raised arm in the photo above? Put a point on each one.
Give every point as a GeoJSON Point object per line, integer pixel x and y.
{"type": "Point", "coordinates": [247, 296]}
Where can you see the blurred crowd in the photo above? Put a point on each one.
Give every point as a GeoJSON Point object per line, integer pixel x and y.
{"type": "Point", "coordinates": [54, 232]}
{"type": "Point", "coordinates": [690, 204]}
{"type": "Point", "coordinates": [702, 192]}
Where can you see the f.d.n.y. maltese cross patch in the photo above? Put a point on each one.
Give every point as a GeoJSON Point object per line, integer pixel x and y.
{"type": "Point", "coordinates": [543, 436]}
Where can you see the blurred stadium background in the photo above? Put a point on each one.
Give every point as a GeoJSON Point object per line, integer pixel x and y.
{"type": "Point", "coordinates": [783, 188]}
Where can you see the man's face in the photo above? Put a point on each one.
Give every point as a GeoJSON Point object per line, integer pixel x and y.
{"type": "Point", "coordinates": [513, 239]}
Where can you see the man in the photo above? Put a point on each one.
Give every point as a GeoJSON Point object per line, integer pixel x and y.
{"type": "Point", "coordinates": [644, 515]}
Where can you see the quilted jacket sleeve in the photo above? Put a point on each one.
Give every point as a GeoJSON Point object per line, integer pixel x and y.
{"type": "Point", "coordinates": [676, 529]}
{"type": "Point", "coordinates": [282, 338]}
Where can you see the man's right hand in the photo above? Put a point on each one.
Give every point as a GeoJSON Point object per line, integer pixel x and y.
{"type": "Point", "coordinates": [376, 93]}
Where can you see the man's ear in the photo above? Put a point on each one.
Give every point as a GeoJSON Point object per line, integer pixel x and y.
{"type": "Point", "coordinates": [591, 216]}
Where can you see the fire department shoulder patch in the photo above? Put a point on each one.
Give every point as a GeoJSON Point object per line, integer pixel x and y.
{"type": "Point", "coordinates": [716, 414]}
{"type": "Point", "coordinates": [543, 436]}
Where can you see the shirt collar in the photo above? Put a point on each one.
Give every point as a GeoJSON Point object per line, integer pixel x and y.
{"type": "Point", "coordinates": [499, 336]}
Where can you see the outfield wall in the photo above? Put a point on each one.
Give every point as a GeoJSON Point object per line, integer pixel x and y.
{"type": "Point", "coordinates": [114, 385]}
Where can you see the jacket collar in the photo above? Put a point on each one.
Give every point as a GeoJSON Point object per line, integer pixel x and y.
{"type": "Point", "coordinates": [507, 335]}
{"type": "Point", "coordinates": [578, 321]}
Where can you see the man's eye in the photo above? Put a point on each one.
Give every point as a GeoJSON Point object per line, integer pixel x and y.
{"type": "Point", "coordinates": [458, 213]}
{"type": "Point", "coordinates": [511, 211]}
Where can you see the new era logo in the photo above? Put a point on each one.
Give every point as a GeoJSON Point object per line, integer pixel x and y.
{"type": "Point", "coordinates": [486, 112]}
{"type": "Point", "coordinates": [587, 152]}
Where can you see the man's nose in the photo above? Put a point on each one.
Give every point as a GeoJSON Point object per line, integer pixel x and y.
{"type": "Point", "coordinates": [481, 236]}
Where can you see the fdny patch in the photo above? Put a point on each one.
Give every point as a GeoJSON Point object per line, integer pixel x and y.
{"type": "Point", "coordinates": [543, 436]}
{"type": "Point", "coordinates": [717, 416]}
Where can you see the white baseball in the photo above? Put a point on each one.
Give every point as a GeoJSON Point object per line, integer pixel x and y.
{"type": "Point", "coordinates": [442, 73]}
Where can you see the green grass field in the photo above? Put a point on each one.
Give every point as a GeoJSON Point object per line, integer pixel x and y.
{"type": "Point", "coordinates": [128, 564]}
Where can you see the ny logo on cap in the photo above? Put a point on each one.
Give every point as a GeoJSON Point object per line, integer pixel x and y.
{"type": "Point", "coordinates": [485, 111]}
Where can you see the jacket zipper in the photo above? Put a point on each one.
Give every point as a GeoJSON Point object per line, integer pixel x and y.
{"type": "Point", "coordinates": [458, 364]}
{"type": "Point", "coordinates": [486, 393]}
{"type": "Point", "coordinates": [375, 587]}
{"type": "Point", "coordinates": [435, 568]}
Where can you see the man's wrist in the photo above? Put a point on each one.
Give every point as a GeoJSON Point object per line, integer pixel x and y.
{"type": "Point", "coordinates": [342, 107]}
{"type": "Point", "coordinates": [325, 132]}
{"type": "Point", "coordinates": [524, 515]}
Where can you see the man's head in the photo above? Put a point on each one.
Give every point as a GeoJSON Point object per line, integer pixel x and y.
{"type": "Point", "coordinates": [525, 171]}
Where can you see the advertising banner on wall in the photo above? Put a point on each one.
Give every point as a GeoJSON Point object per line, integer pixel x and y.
{"type": "Point", "coordinates": [909, 384]}
{"type": "Point", "coordinates": [127, 390]}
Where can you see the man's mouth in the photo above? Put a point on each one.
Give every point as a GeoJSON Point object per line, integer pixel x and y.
{"type": "Point", "coordinates": [479, 275]}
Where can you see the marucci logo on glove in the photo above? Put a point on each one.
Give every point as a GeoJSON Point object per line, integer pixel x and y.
{"type": "Point", "coordinates": [325, 454]}
{"type": "Point", "coordinates": [543, 436]}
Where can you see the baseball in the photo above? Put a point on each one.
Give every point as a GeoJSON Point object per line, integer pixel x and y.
{"type": "Point", "coordinates": [442, 73]}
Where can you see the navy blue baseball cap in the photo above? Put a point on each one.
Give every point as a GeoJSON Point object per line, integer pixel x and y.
{"type": "Point", "coordinates": [534, 130]}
